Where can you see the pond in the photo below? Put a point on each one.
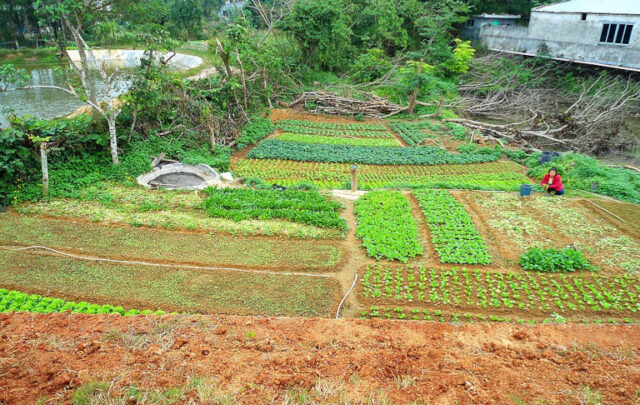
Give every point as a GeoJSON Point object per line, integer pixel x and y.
{"type": "Point", "coordinates": [50, 103]}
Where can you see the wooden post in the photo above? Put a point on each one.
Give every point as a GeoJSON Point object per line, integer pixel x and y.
{"type": "Point", "coordinates": [414, 95]}
{"type": "Point", "coordinates": [440, 104]}
{"type": "Point", "coordinates": [45, 169]}
{"type": "Point", "coordinates": [354, 178]}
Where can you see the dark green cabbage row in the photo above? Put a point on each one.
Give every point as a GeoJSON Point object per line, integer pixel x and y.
{"type": "Point", "coordinates": [423, 155]}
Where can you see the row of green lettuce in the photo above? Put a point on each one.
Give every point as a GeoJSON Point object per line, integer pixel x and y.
{"type": "Point", "coordinates": [302, 206]}
{"type": "Point", "coordinates": [17, 301]}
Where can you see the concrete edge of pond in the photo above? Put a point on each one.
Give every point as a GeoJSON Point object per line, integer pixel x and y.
{"type": "Point", "coordinates": [182, 60]}
{"type": "Point", "coordinates": [207, 174]}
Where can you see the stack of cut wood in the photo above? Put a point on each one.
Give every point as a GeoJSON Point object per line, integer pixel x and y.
{"type": "Point", "coordinates": [370, 106]}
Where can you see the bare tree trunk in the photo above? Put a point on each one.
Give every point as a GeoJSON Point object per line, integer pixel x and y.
{"type": "Point", "coordinates": [244, 81]}
{"type": "Point", "coordinates": [414, 96]}
{"type": "Point", "coordinates": [225, 60]}
{"type": "Point", "coordinates": [45, 169]}
{"type": "Point", "coordinates": [113, 140]}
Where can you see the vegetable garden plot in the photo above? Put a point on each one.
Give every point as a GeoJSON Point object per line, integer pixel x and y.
{"type": "Point", "coordinates": [336, 133]}
{"type": "Point", "coordinates": [172, 247]}
{"type": "Point", "coordinates": [309, 207]}
{"type": "Point", "coordinates": [409, 132]}
{"type": "Point", "coordinates": [583, 294]}
{"type": "Point", "coordinates": [453, 233]}
{"type": "Point", "coordinates": [331, 140]}
{"type": "Point", "coordinates": [331, 125]}
{"type": "Point", "coordinates": [423, 155]}
{"type": "Point", "coordinates": [545, 222]}
{"type": "Point", "coordinates": [506, 176]}
{"type": "Point", "coordinates": [16, 301]}
{"type": "Point", "coordinates": [166, 209]}
{"type": "Point", "coordinates": [170, 289]}
{"type": "Point", "coordinates": [386, 226]}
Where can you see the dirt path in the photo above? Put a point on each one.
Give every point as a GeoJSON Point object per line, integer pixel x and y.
{"type": "Point", "coordinates": [356, 260]}
{"type": "Point", "coordinates": [250, 360]}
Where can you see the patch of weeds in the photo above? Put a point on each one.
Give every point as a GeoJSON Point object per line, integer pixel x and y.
{"type": "Point", "coordinates": [326, 388]}
{"type": "Point", "coordinates": [90, 393]}
{"type": "Point", "coordinates": [405, 381]}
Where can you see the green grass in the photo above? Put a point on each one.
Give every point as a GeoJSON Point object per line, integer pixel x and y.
{"type": "Point", "coordinates": [170, 289]}
{"type": "Point", "coordinates": [145, 244]}
{"type": "Point", "coordinates": [28, 57]}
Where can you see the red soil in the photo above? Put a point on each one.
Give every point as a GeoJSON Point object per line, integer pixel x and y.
{"type": "Point", "coordinates": [260, 360]}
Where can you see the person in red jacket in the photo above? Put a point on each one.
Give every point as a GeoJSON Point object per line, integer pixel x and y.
{"type": "Point", "coordinates": [552, 182]}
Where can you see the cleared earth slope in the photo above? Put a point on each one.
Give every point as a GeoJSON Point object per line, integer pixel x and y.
{"type": "Point", "coordinates": [60, 358]}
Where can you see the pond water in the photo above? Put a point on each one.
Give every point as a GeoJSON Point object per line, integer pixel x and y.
{"type": "Point", "coordinates": [50, 103]}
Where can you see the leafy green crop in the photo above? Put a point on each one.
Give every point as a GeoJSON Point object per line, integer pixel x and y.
{"type": "Point", "coordinates": [423, 155]}
{"type": "Point", "coordinates": [505, 176]}
{"type": "Point", "coordinates": [554, 260]}
{"type": "Point", "coordinates": [308, 207]}
{"type": "Point", "coordinates": [386, 226]}
{"type": "Point", "coordinates": [254, 131]}
{"type": "Point", "coordinates": [453, 233]}
{"type": "Point", "coordinates": [526, 292]}
{"type": "Point", "coordinates": [410, 132]}
{"type": "Point", "coordinates": [16, 301]}
{"type": "Point", "coordinates": [338, 133]}
{"type": "Point", "coordinates": [333, 140]}
{"type": "Point", "coordinates": [331, 125]}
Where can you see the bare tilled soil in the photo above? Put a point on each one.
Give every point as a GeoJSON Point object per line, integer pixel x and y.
{"type": "Point", "coordinates": [287, 360]}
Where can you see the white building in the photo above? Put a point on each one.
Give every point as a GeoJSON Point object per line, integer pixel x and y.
{"type": "Point", "coordinates": [599, 32]}
{"type": "Point", "coordinates": [473, 25]}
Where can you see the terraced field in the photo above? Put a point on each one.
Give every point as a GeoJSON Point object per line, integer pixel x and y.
{"type": "Point", "coordinates": [441, 239]}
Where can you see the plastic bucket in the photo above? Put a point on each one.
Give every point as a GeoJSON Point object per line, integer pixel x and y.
{"type": "Point", "coordinates": [525, 190]}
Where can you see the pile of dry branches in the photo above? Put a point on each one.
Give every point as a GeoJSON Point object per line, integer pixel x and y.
{"type": "Point", "coordinates": [540, 114]}
{"type": "Point", "coordinates": [369, 106]}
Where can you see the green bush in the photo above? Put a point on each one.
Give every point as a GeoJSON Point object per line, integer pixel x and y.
{"type": "Point", "coordinates": [70, 175]}
{"type": "Point", "coordinates": [255, 130]}
{"type": "Point", "coordinates": [554, 260]}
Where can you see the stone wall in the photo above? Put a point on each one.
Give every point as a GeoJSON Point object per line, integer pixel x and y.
{"type": "Point", "coordinates": [567, 36]}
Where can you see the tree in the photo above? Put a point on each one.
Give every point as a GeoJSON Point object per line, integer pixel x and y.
{"type": "Point", "coordinates": [186, 17]}
{"type": "Point", "coordinates": [71, 15]}
{"type": "Point", "coordinates": [323, 31]}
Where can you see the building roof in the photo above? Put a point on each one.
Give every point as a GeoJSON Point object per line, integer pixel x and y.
{"type": "Point", "coordinates": [497, 16]}
{"type": "Point", "coordinates": [625, 7]}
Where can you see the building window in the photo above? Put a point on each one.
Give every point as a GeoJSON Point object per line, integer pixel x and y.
{"type": "Point", "coordinates": [616, 33]}
{"type": "Point", "coordinates": [471, 22]}
{"type": "Point", "coordinates": [584, 17]}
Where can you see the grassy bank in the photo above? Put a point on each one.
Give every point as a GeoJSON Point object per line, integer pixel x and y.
{"type": "Point", "coordinates": [25, 57]}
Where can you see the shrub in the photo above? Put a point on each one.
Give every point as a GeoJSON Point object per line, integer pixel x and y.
{"type": "Point", "coordinates": [554, 260]}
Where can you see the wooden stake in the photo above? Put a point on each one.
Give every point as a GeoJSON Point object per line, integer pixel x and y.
{"type": "Point", "coordinates": [354, 178]}
{"type": "Point", "coordinates": [45, 169]}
